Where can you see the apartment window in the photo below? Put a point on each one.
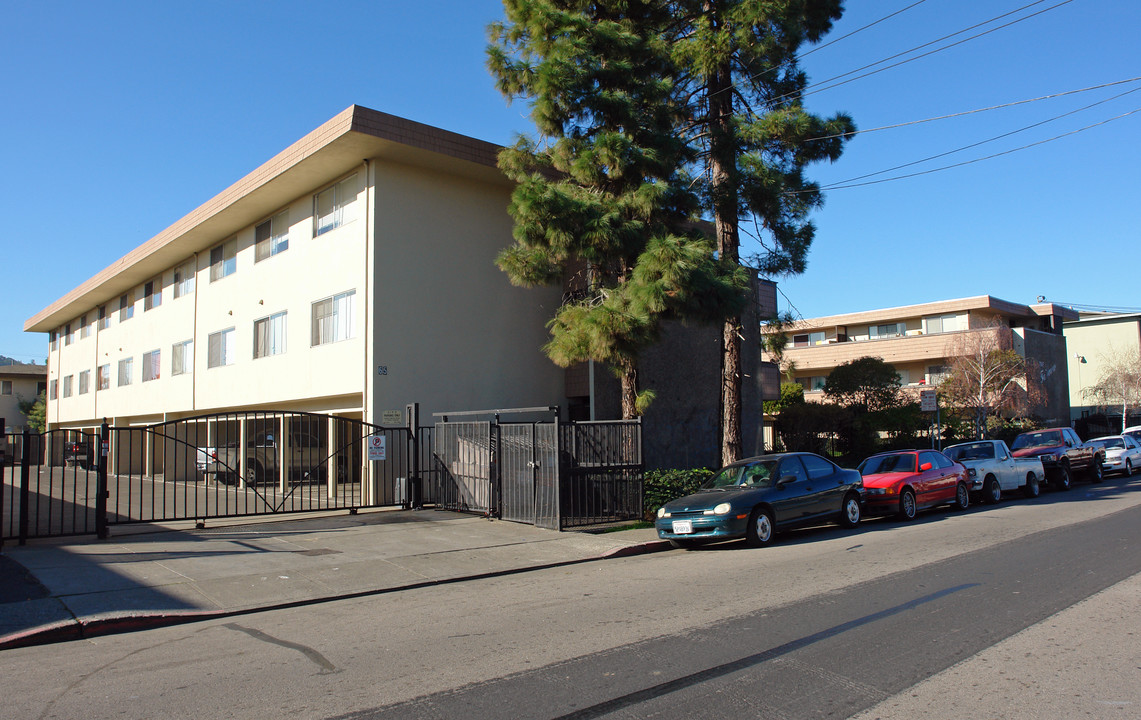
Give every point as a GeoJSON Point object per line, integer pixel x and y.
{"type": "Point", "coordinates": [220, 348]}
{"type": "Point", "coordinates": [126, 307]}
{"type": "Point", "coordinates": [66, 335]}
{"type": "Point", "coordinates": [182, 357]}
{"type": "Point", "coordinates": [936, 374]}
{"type": "Point", "coordinates": [104, 321]}
{"type": "Point", "coordinates": [126, 369]}
{"type": "Point", "coordinates": [84, 382]}
{"type": "Point", "coordinates": [53, 389]}
{"type": "Point", "coordinates": [152, 294]}
{"type": "Point", "coordinates": [184, 279]}
{"type": "Point", "coordinates": [224, 260]}
{"type": "Point", "coordinates": [940, 324]}
{"type": "Point", "coordinates": [814, 338]}
{"type": "Point", "coordinates": [904, 376]}
{"type": "Point", "coordinates": [269, 335]}
{"type": "Point", "coordinates": [333, 319]}
{"type": "Point", "coordinates": [329, 205]}
{"type": "Point", "coordinates": [889, 330]}
{"type": "Point", "coordinates": [54, 340]}
{"type": "Point", "coordinates": [151, 362]}
{"type": "Point", "coordinates": [84, 328]}
{"type": "Point", "coordinates": [67, 382]}
{"type": "Point", "coordinates": [103, 377]}
{"type": "Point", "coordinates": [812, 384]}
{"type": "Point", "coordinates": [271, 237]}
{"type": "Point", "coordinates": [5, 387]}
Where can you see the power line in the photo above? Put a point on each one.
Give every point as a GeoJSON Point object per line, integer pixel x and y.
{"type": "Point", "coordinates": [1097, 308]}
{"type": "Point", "coordinates": [814, 88]}
{"type": "Point", "coordinates": [773, 69]}
{"type": "Point", "coordinates": [982, 142]}
{"type": "Point", "coordinates": [988, 157]}
{"type": "Point", "coordinates": [978, 110]}
{"type": "Point", "coordinates": [858, 30]}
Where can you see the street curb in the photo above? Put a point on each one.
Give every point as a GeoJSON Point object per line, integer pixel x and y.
{"type": "Point", "coordinates": [79, 630]}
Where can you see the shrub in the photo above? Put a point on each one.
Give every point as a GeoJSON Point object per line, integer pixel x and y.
{"type": "Point", "coordinates": [661, 486]}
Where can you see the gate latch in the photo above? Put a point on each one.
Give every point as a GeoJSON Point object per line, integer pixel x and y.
{"type": "Point", "coordinates": [533, 464]}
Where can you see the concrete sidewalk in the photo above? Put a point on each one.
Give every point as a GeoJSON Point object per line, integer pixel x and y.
{"type": "Point", "coordinates": [145, 576]}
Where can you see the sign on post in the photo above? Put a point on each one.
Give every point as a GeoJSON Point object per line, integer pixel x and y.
{"type": "Point", "coordinates": [927, 400]}
{"type": "Point", "coordinates": [377, 447]}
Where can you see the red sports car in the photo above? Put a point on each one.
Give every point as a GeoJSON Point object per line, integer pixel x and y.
{"type": "Point", "coordinates": [906, 481]}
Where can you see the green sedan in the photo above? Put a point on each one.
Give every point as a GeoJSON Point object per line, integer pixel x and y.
{"type": "Point", "coordinates": [755, 498]}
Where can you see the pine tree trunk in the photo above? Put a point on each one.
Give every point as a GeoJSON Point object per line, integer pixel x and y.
{"type": "Point", "coordinates": [722, 164]}
{"type": "Point", "coordinates": [629, 390]}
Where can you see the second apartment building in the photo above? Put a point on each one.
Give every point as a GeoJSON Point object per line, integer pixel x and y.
{"type": "Point", "coordinates": [918, 341]}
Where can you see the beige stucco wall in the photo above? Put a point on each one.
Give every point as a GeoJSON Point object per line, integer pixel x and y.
{"type": "Point", "coordinates": [1094, 341]}
{"type": "Point", "coordinates": [328, 377]}
{"type": "Point", "coordinates": [450, 329]}
{"type": "Point", "coordinates": [23, 389]}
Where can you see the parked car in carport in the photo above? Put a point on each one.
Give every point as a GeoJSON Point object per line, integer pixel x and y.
{"type": "Point", "coordinates": [757, 497]}
{"type": "Point", "coordinates": [903, 482]}
{"type": "Point", "coordinates": [1121, 453]}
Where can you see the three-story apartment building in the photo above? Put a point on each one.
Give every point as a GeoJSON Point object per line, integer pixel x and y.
{"type": "Point", "coordinates": [351, 274]}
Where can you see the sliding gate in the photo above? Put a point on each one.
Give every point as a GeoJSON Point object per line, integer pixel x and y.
{"type": "Point", "coordinates": [551, 474]}
{"type": "Point", "coordinates": [74, 482]}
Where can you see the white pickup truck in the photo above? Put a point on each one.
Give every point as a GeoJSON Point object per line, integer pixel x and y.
{"type": "Point", "coordinates": [993, 469]}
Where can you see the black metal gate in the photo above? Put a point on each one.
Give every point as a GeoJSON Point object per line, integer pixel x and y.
{"type": "Point", "coordinates": [71, 482]}
{"type": "Point", "coordinates": [551, 474]}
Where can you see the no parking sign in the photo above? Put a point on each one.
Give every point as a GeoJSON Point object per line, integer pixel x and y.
{"type": "Point", "coordinates": [377, 448]}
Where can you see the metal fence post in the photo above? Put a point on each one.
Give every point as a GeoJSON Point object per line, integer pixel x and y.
{"type": "Point", "coordinates": [25, 480]}
{"type": "Point", "coordinates": [101, 482]}
{"type": "Point", "coordinates": [415, 489]}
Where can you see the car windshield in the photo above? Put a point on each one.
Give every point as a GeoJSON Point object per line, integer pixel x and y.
{"type": "Point", "coordinates": [971, 451]}
{"type": "Point", "coordinates": [1108, 443]}
{"type": "Point", "coordinates": [903, 462]}
{"type": "Point", "coordinates": [1037, 439]}
{"type": "Point", "coordinates": [756, 474]}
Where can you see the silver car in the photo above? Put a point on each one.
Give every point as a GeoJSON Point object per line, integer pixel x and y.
{"type": "Point", "coordinates": [1122, 453]}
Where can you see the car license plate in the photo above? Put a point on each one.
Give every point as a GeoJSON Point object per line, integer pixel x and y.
{"type": "Point", "coordinates": [683, 527]}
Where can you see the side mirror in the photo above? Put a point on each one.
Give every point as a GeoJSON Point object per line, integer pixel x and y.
{"type": "Point", "coordinates": [785, 480]}
{"type": "Point", "coordinates": [924, 467]}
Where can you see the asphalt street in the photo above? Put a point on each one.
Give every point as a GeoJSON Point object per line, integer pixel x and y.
{"type": "Point", "coordinates": [826, 656]}
{"type": "Point", "coordinates": [1025, 609]}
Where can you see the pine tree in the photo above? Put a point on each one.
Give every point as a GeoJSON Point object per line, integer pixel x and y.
{"type": "Point", "coordinates": [603, 197]}
{"type": "Point", "coordinates": [736, 70]}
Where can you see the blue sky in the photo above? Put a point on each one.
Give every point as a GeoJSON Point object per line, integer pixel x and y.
{"type": "Point", "coordinates": [122, 117]}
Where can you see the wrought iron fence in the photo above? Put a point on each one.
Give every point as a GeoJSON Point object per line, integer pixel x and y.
{"type": "Point", "coordinates": [210, 466]}
{"type": "Point", "coordinates": [551, 474]}
{"type": "Point", "coordinates": [554, 475]}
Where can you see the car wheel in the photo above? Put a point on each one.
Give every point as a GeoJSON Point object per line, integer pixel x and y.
{"type": "Point", "coordinates": [907, 507]}
{"type": "Point", "coordinates": [850, 511]}
{"type": "Point", "coordinates": [760, 530]}
{"type": "Point", "coordinates": [962, 497]}
{"type": "Point", "coordinates": [992, 491]}
{"type": "Point", "coordinates": [1128, 468]}
{"type": "Point", "coordinates": [1031, 488]}
{"type": "Point", "coordinates": [1095, 473]}
{"type": "Point", "coordinates": [1063, 481]}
